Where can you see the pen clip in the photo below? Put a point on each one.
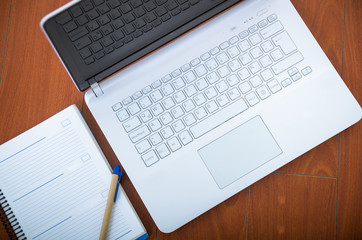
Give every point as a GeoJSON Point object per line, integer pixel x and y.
{"type": "Point", "coordinates": [118, 171]}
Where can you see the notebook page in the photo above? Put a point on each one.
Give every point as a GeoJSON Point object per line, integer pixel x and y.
{"type": "Point", "coordinates": [56, 180]}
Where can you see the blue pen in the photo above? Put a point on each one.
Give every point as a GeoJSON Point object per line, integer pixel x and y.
{"type": "Point", "coordinates": [112, 196]}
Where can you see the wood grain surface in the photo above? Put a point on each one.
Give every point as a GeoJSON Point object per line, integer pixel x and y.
{"type": "Point", "coordinates": [317, 196]}
{"type": "Point", "coordinates": [34, 85]}
{"type": "Point", "coordinates": [284, 206]}
{"type": "Point", "coordinates": [349, 207]}
{"type": "Point", "coordinates": [4, 19]}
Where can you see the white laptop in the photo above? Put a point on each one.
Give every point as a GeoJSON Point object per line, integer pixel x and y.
{"type": "Point", "coordinates": [220, 108]}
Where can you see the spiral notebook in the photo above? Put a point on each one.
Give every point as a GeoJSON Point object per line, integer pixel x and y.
{"type": "Point", "coordinates": [54, 184]}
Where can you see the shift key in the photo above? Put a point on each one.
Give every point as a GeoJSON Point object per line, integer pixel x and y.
{"type": "Point", "coordinates": [78, 33]}
{"type": "Point", "coordinates": [139, 134]}
{"type": "Point", "coordinates": [81, 43]}
{"type": "Point", "coordinates": [287, 62]}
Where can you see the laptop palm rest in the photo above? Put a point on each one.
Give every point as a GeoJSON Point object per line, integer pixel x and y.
{"type": "Point", "coordinates": [239, 151]}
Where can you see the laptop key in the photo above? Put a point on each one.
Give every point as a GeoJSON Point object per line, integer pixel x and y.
{"type": "Point", "coordinates": [174, 144]}
{"type": "Point", "coordinates": [150, 6]}
{"type": "Point", "coordinates": [99, 55]}
{"type": "Point", "coordinates": [176, 12]}
{"type": "Point", "coordinates": [193, 2]}
{"type": "Point", "coordinates": [139, 134]}
{"type": "Point", "coordinates": [150, 158]}
{"type": "Point", "coordinates": [134, 108]}
{"type": "Point", "coordinates": [156, 96]}
{"type": "Point", "coordinates": [185, 137]}
{"type": "Point", "coordinates": [185, 6]}
{"type": "Point", "coordinates": [287, 63]}
{"type": "Point", "coordinates": [253, 28]}
{"type": "Point", "coordinates": [117, 106]}
{"type": "Point", "coordinates": [103, 9]}
{"type": "Point", "coordinates": [139, 12]}
{"type": "Point", "coordinates": [122, 115]}
{"type": "Point", "coordinates": [108, 50]}
{"type": "Point", "coordinates": [128, 39]}
{"type": "Point", "coordinates": [84, 53]}
{"type": "Point", "coordinates": [93, 25]}
{"type": "Point", "coordinates": [245, 87]}
{"type": "Point", "coordinates": [234, 94]}
{"type": "Point", "coordinates": [276, 54]}
{"type": "Point", "coordinates": [162, 151]}
{"type": "Point", "coordinates": [274, 86]}
{"type": "Point", "coordinates": [70, 26]}
{"type": "Point", "coordinates": [155, 125]}
{"type": "Point", "coordinates": [129, 29]}
{"type": "Point", "coordinates": [63, 18]}
{"type": "Point", "coordinates": [96, 47]}
{"type": "Point", "coordinates": [93, 14]}
{"type": "Point", "coordinates": [155, 139]}
{"type": "Point", "coordinates": [96, 35]}
{"type": "Point", "coordinates": [211, 106]}
{"type": "Point", "coordinates": [200, 113]}
{"type": "Point", "coordinates": [272, 18]}
{"type": "Point", "coordinates": [263, 92]}
{"type": "Point", "coordinates": [166, 17]}
{"type": "Point", "coordinates": [78, 33]}
{"type": "Point", "coordinates": [160, 2]}
{"type": "Point", "coordinates": [98, 2]}
{"type": "Point", "coordinates": [136, 3]}
{"type": "Point", "coordinates": [306, 70]}
{"type": "Point", "coordinates": [87, 5]}
{"type": "Point", "coordinates": [286, 82]}
{"type": "Point", "coordinates": [146, 116]}
{"type": "Point", "coordinates": [296, 77]}
{"type": "Point", "coordinates": [83, 42]}
{"type": "Point", "coordinates": [143, 146]}
{"type": "Point", "coordinates": [89, 60]}
{"type": "Point", "coordinates": [255, 81]}
{"type": "Point", "coordinates": [178, 126]}
{"type": "Point", "coordinates": [252, 99]}
{"type": "Point", "coordinates": [132, 124]}
{"type": "Point", "coordinates": [76, 11]}
{"type": "Point", "coordinates": [189, 120]}
{"type": "Point", "coordinates": [157, 109]}
{"type": "Point", "coordinates": [82, 20]}
{"type": "Point", "coordinates": [262, 23]}
{"type": "Point", "coordinates": [177, 112]}
{"type": "Point", "coordinates": [168, 103]}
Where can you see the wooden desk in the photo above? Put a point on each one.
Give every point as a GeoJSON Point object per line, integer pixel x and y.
{"type": "Point", "coordinates": [317, 196]}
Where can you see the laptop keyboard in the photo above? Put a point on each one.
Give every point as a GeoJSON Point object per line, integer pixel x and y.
{"type": "Point", "coordinates": [211, 89]}
{"type": "Point", "coordinates": [98, 27]}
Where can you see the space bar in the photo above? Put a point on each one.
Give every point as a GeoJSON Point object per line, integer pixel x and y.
{"type": "Point", "coordinates": [218, 118]}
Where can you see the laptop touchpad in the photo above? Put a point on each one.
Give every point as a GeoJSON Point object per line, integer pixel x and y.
{"type": "Point", "coordinates": [239, 151]}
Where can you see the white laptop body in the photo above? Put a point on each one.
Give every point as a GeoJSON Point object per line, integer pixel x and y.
{"type": "Point", "coordinates": [234, 154]}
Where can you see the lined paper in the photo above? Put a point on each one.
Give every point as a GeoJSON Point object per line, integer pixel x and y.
{"type": "Point", "coordinates": [56, 181]}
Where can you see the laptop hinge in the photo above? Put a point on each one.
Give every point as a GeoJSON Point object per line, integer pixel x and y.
{"type": "Point", "coordinates": [96, 88]}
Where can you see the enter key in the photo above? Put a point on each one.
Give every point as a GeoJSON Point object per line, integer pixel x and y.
{"type": "Point", "coordinates": [284, 41]}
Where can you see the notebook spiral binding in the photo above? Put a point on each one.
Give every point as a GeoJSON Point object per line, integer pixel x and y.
{"type": "Point", "coordinates": [9, 220]}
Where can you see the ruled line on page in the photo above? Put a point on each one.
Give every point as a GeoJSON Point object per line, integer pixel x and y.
{"type": "Point", "coordinates": [38, 187]}
{"type": "Point", "coordinates": [52, 227]}
{"type": "Point", "coordinates": [22, 150]}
